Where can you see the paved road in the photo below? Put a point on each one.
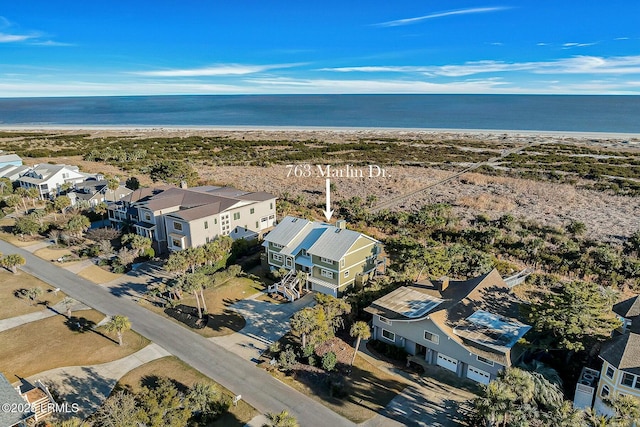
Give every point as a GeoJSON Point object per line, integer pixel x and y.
{"type": "Point", "coordinates": [257, 387]}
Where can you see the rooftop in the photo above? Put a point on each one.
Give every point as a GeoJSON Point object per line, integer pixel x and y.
{"type": "Point", "coordinates": [623, 352]}
{"type": "Point", "coordinates": [10, 396]}
{"type": "Point", "coordinates": [491, 330]}
{"type": "Point", "coordinates": [628, 308]}
{"type": "Point", "coordinates": [408, 302]}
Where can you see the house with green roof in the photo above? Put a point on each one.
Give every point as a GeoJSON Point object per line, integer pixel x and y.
{"type": "Point", "coordinates": [325, 258]}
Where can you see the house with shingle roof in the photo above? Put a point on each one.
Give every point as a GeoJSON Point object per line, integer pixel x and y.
{"type": "Point", "coordinates": [179, 218]}
{"type": "Point", "coordinates": [468, 327]}
{"type": "Point", "coordinates": [620, 356]}
{"type": "Point", "coordinates": [332, 257]}
{"type": "Point", "coordinates": [19, 411]}
{"type": "Point", "coordinates": [49, 178]}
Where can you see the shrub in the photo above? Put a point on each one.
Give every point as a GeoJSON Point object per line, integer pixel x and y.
{"type": "Point", "coordinates": [329, 361]}
{"type": "Point", "coordinates": [288, 359]}
{"type": "Point", "coordinates": [148, 253]}
{"type": "Point", "coordinates": [312, 360]}
{"type": "Point", "coordinates": [274, 348]}
{"type": "Point", "coordinates": [119, 269]}
{"type": "Point", "coordinates": [308, 350]}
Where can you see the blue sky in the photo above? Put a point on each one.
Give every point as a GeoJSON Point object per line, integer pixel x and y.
{"type": "Point", "coordinates": [68, 48]}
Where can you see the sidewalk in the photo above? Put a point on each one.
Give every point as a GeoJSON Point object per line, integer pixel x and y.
{"type": "Point", "coordinates": [56, 309]}
{"type": "Point", "coordinates": [89, 386]}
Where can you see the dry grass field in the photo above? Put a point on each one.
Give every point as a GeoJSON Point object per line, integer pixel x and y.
{"type": "Point", "coordinates": [98, 275]}
{"type": "Point", "coordinates": [56, 342]}
{"type": "Point", "coordinates": [11, 305]}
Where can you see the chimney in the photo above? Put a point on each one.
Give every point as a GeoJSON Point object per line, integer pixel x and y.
{"type": "Point", "coordinates": [183, 184]}
{"type": "Point", "coordinates": [341, 224]}
{"type": "Point", "coordinates": [444, 283]}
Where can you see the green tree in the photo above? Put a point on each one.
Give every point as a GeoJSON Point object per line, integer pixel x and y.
{"type": "Point", "coordinates": [329, 361]}
{"type": "Point", "coordinates": [627, 410]}
{"type": "Point", "coordinates": [137, 242]}
{"type": "Point", "coordinates": [61, 203]}
{"type": "Point", "coordinates": [118, 324]}
{"type": "Point", "coordinates": [359, 330]}
{"type": "Point", "coordinates": [174, 172]}
{"type": "Point", "coordinates": [573, 315]}
{"type": "Point", "coordinates": [194, 283]}
{"type": "Point", "coordinates": [12, 261]}
{"type": "Point", "coordinates": [334, 309]}
{"type": "Point", "coordinates": [163, 405]}
{"type": "Point", "coordinates": [119, 410]}
{"type": "Point", "coordinates": [132, 183]}
{"type": "Point", "coordinates": [26, 225]}
{"type": "Point", "coordinates": [303, 322]}
{"type": "Point", "coordinates": [282, 419]}
{"type": "Point", "coordinates": [205, 401]}
{"type": "Point", "coordinates": [78, 224]}
{"type": "Point", "coordinates": [100, 209]}
{"type": "Point", "coordinates": [5, 187]}
{"type": "Point", "coordinates": [112, 185]}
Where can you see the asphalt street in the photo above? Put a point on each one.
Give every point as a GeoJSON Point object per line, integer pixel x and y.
{"type": "Point", "coordinates": [256, 386]}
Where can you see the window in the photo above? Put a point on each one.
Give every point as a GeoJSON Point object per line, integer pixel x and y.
{"type": "Point", "coordinates": [627, 379]}
{"type": "Point", "coordinates": [605, 391]}
{"type": "Point", "coordinates": [484, 360]}
{"type": "Point", "coordinates": [147, 216]}
{"type": "Point", "coordinates": [177, 226]}
{"type": "Point", "coordinates": [346, 273]}
{"type": "Point", "coordinates": [326, 273]}
{"type": "Point", "coordinates": [276, 245]}
{"type": "Point", "coordinates": [277, 257]}
{"type": "Point", "coordinates": [252, 211]}
{"type": "Point", "coordinates": [303, 252]}
{"type": "Point", "coordinates": [430, 336]}
{"type": "Point", "coordinates": [215, 220]}
{"type": "Point", "coordinates": [384, 320]}
{"type": "Point", "coordinates": [388, 335]}
{"type": "Point", "coordinates": [271, 205]}
{"type": "Point", "coordinates": [206, 225]}
{"type": "Point", "coordinates": [207, 239]}
{"type": "Point", "coordinates": [342, 262]}
{"type": "Point", "coordinates": [326, 260]}
{"type": "Point", "coordinates": [610, 372]}
{"type": "Point", "coordinates": [236, 216]}
{"type": "Point", "coordinates": [176, 243]}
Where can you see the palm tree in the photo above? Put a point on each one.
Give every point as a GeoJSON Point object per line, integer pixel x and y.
{"type": "Point", "coordinates": [112, 185]}
{"type": "Point", "coordinates": [101, 209]}
{"type": "Point", "coordinates": [283, 419]}
{"type": "Point", "coordinates": [68, 302]}
{"type": "Point", "coordinates": [177, 263]}
{"type": "Point", "coordinates": [193, 283]}
{"type": "Point", "coordinates": [359, 330]}
{"type": "Point", "coordinates": [593, 419]}
{"type": "Point", "coordinates": [200, 398]}
{"type": "Point", "coordinates": [303, 322]}
{"type": "Point", "coordinates": [627, 410]}
{"type": "Point", "coordinates": [33, 294]}
{"type": "Point", "coordinates": [119, 324]}
{"type": "Point", "coordinates": [12, 262]}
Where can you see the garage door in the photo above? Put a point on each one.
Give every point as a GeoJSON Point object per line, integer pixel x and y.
{"type": "Point", "coordinates": [478, 375]}
{"type": "Point", "coordinates": [447, 363]}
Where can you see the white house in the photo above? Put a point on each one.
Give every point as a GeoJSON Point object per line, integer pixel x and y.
{"type": "Point", "coordinates": [49, 178]}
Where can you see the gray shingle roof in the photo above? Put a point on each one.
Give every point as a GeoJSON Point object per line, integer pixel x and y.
{"type": "Point", "coordinates": [9, 395]}
{"type": "Point", "coordinates": [628, 308]}
{"type": "Point", "coordinates": [623, 352]}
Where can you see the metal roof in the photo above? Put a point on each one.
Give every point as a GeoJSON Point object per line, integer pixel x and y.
{"type": "Point", "coordinates": [287, 230]}
{"type": "Point", "coordinates": [335, 242]}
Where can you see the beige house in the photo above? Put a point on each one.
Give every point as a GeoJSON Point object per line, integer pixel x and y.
{"type": "Point", "coordinates": [332, 256]}
{"type": "Point", "coordinates": [180, 218]}
{"type": "Point", "coordinates": [620, 372]}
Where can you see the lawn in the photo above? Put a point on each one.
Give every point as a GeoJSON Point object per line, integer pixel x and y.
{"type": "Point", "coordinates": [11, 305]}
{"type": "Point", "coordinates": [185, 376]}
{"type": "Point", "coordinates": [52, 254]}
{"type": "Point", "coordinates": [371, 389]}
{"type": "Point", "coordinates": [223, 321]}
{"type": "Point", "coordinates": [98, 275]}
{"type": "Point", "coordinates": [56, 342]}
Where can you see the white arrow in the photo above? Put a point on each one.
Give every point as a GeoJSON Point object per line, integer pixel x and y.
{"type": "Point", "coordinates": [328, 212]}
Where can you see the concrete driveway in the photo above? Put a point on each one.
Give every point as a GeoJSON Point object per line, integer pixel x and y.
{"type": "Point", "coordinates": [266, 322]}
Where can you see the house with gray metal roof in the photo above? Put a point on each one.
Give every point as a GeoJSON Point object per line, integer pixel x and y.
{"type": "Point", "coordinates": [469, 327]}
{"type": "Point", "coordinates": [331, 258]}
{"type": "Point", "coordinates": [620, 373]}
{"type": "Point", "coordinates": [48, 178]}
{"type": "Point", "coordinates": [10, 160]}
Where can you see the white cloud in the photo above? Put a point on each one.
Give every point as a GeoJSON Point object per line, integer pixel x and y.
{"type": "Point", "coordinates": [573, 65]}
{"type": "Point", "coordinates": [573, 44]}
{"type": "Point", "coordinates": [14, 38]}
{"type": "Point", "coordinates": [216, 70]}
{"type": "Point", "coordinates": [409, 21]}
{"type": "Point", "coordinates": [542, 44]}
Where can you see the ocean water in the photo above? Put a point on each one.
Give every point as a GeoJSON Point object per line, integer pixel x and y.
{"type": "Point", "coordinates": [619, 114]}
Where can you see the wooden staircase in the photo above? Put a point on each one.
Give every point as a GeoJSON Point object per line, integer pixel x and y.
{"type": "Point", "coordinates": [287, 286]}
